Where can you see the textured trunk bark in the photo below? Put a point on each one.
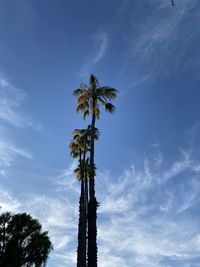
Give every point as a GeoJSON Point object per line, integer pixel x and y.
{"type": "Point", "coordinates": [92, 233]}
{"type": "Point", "coordinates": [86, 192]}
{"type": "Point", "coordinates": [86, 209]}
{"type": "Point", "coordinates": [81, 250]}
{"type": "Point", "coordinates": [92, 205]}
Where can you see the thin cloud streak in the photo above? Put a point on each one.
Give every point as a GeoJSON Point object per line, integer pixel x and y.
{"type": "Point", "coordinates": [12, 149]}
{"type": "Point", "coordinates": [101, 42]}
{"type": "Point", "coordinates": [58, 215]}
{"type": "Point", "coordinates": [144, 217]}
{"type": "Point", "coordinates": [11, 117]}
{"type": "Point", "coordinates": [161, 43]}
{"type": "Point", "coordinates": [8, 153]}
{"type": "Point", "coordinates": [144, 231]}
{"type": "Point", "coordinates": [11, 100]}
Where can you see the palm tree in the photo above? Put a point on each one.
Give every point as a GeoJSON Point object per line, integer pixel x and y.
{"type": "Point", "coordinates": [89, 99]}
{"type": "Point", "coordinates": [78, 151]}
{"type": "Point", "coordinates": [79, 148]}
{"type": "Point", "coordinates": [77, 173]}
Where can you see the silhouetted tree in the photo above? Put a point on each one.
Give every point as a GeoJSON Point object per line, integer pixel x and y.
{"type": "Point", "coordinates": [79, 148]}
{"type": "Point", "coordinates": [22, 242]}
{"type": "Point", "coordinates": [89, 99]}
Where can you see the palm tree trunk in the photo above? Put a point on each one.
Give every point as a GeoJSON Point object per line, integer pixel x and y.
{"type": "Point", "coordinates": [86, 207]}
{"type": "Point", "coordinates": [86, 191]}
{"type": "Point", "coordinates": [92, 205]}
{"type": "Point", "coordinates": [81, 250]}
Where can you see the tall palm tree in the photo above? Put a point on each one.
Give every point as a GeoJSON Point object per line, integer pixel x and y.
{"type": "Point", "coordinates": [77, 172]}
{"type": "Point", "coordinates": [89, 99]}
{"type": "Point", "coordinates": [79, 148]}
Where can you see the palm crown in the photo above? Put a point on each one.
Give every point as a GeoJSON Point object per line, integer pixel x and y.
{"type": "Point", "coordinates": [89, 98]}
{"type": "Point", "coordinates": [81, 141]}
{"type": "Point", "coordinates": [77, 170]}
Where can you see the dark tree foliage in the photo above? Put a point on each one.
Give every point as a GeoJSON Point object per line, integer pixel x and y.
{"type": "Point", "coordinates": [22, 242]}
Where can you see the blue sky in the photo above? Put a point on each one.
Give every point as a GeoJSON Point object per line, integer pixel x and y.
{"type": "Point", "coordinates": [148, 157]}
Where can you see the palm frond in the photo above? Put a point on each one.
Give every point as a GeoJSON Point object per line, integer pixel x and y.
{"type": "Point", "coordinates": [77, 172]}
{"type": "Point", "coordinates": [73, 146]}
{"type": "Point", "coordinates": [78, 92]}
{"type": "Point", "coordinates": [107, 92]}
{"type": "Point", "coordinates": [81, 108]}
{"type": "Point", "coordinates": [93, 80]}
{"type": "Point", "coordinates": [96, 132]}
{"type": "Point", "coordinates": [109, 107]}
{"type": "Point", "coordinates": [87, 167]}
{"type": "Point", "coordinates": [102, 100]}
{"type": "Point", "coordinates": [84, 86]}
{"type": "Point", "coordinates": [82, 98]}
{"type": "Point", "coordinates": [82, 105]}
{"type": "Point", "coordinates": [78, 133]}
{"type": "Point", "coordinates": [74, 154]}
{"type": "Point", "coordinates": [86, 113]}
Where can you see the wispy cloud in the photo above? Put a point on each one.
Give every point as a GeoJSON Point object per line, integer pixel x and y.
{"type": "Point", "coordinates": [11, 100]}
{"type": "Point", "coordinates": [12, 117]}
{"type": "Point", "coordinates": [7, 201]}
{"type": "Point", "coordinates": [146, 216]}
{"type": "Point", "coordinates": [58, 215]}
{"type": "Point", "coordinates": [8, 152]}
{"type": "Point", "coordinates": [101, 41]}
{"type": "Point", "coordinates": [148, 227]}
{"type": "Point", "coordinates": [162, 41]}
